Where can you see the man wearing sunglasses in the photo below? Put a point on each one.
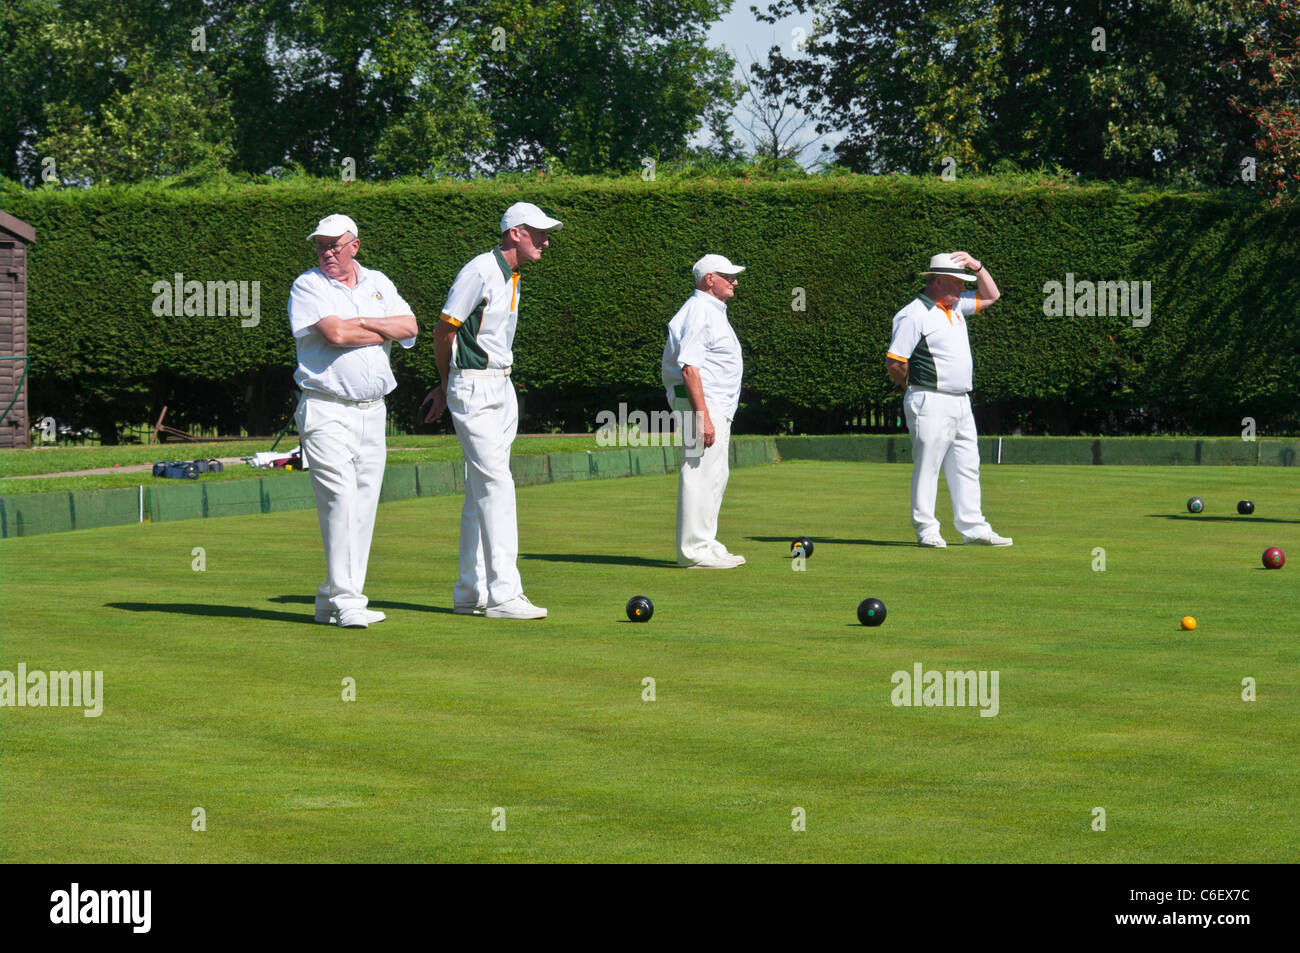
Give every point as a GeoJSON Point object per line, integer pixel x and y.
{"type": "Point", "coordinates": [344, 319]}
{"type": "Point", "coordinates": [701, 370]}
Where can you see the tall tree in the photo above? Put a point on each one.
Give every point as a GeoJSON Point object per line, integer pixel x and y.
{"type": "Point", "coordinates": [1105, 88]}
{"type": "Point", "coordinates": [126, 87]}
{"type": "Point", "coordinates": [399, 86]}
{"type": "Point", "coordinates": [1272, 102]}
{"type": "Point", "coordinates": [601, 84]}
{"type": "Point", "coordinates": [168, 120]}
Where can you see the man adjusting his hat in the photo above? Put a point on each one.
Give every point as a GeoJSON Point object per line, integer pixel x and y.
{"type": "Point", "coordinates": [929, 359]}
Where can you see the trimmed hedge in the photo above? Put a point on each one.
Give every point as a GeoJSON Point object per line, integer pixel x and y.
{"type": "Point", "coordinates": [1222, 343]}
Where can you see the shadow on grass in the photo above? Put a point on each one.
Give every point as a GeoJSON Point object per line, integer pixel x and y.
{"type": "Point", "coordinates": [373, 604]}
{"type": "Point", "coordinates": [606, 560]}
{"type": "Point", "coordinates": [245, 612]}
{"type": "Point", "coordinates": [211, 611]}
{"type": "Point", "coordinates": [1219, 519]}
{"type": "Point", "coordinates": [819, 541]}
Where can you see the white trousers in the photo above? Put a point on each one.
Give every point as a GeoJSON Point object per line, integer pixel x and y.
{"type": "Point", "coordinates": [943, 437]}
{"type": "Point", "coordinates": [344, 449]}
{"type": "Point", "coordinates": [486, 414]}
{"type": "Point", "coordinates": [700, 485]}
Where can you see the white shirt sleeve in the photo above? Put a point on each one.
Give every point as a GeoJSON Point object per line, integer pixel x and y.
{"type": "Point", "coordinates": [696, 339]}
{"type": "Point", "coordinates": [465, 294]}
{"type": "Point", "coordinates": [907, 334]}
{"type": "Point", "coordinates": [306, 306]}
{"type": "Point", "coordinates": [966, 303]}
{"type": "Point", "coordinates": [396, 305]}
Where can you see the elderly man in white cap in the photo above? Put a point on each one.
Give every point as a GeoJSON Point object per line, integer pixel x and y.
{"type": "Point", "coordinates": [929, 360]}
{"type": "Point", "coordinates": [344, 319]}
{"type": "Point", "coordinates": [701, 370]}
{"type": "Point", "coordinates": [473, 348]}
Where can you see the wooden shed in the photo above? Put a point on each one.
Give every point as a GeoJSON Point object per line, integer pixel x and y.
{"type": "Point", "coordinates": [15, 236]}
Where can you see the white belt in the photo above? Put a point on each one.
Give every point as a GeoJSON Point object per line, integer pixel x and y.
{"type": "Point", "coordinates": [935, 390]}
{"type": "Point", "coordinates": [485, 372]}
{"type": "Point", "coordinates": [346, 401]}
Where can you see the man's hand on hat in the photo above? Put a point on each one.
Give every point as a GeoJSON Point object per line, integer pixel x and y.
{"type": "Point", "coordinates": [439, 399]}
{"type": "Point", "coordinates": [966, 261]}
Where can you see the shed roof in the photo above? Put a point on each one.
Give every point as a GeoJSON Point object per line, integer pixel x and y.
{"type": "Point", "coordinates": [17, 228]}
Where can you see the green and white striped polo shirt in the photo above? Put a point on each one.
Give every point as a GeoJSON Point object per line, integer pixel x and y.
{"type": "Point", "coordinates": [483, 306]}
{"type": "Point", "coordinates": [932, 341]}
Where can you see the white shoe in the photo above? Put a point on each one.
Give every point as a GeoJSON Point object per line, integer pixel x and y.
{"type": "Point", "coordinates": [468, 608]}
{"type": "Point", "coordinates": [992, 539]}
{"type": "Point", "coordinates": [354, 619]}
{"type": "Point", "coordinates": [933, 542]}
{"type": "Point", "coordinates": [327, 616]}
{"type": "Point", "coordinates": [727, 563]}
{"type": "Point", "coordinates": [517, 608]}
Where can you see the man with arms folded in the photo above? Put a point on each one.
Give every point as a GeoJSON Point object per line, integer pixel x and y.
{"type": "Point", "coordinates": [344, 319]}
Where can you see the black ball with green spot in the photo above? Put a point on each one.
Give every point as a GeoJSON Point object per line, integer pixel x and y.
{"type": "Point", "coordinates": [871, 612]}
{"type": "Point", "coordinates": [1195, 505]}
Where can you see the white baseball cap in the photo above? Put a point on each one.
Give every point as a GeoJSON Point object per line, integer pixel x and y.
{"type": "Point", "coordinates": [715, 263]}
{"type": "Point", "coordinates": [526, 213]}
{"type": "Point", "coordinates": [332, 226]}
{"type": "Point", "coordinates": [944, 265]}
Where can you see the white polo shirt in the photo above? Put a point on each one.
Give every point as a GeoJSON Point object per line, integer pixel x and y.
{"type": "Point", "coordinates": [934, 343]}
{"type": "Point", "coordinates": [483, 306]}
{"type": "Point", "coordinates": [699, 335]}
{"type": "Point", "coordinates": [357, 373]}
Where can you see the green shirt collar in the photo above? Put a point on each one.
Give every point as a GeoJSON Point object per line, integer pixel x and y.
{"type": "Point", "coordinates": [502, 264]}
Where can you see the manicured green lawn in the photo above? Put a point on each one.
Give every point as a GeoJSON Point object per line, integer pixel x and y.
{"type": "Point", "coordinates": [220, 693]}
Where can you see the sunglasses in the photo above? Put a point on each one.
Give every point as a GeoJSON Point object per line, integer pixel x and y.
{"type": "Point", "coordinates": [335, 248]}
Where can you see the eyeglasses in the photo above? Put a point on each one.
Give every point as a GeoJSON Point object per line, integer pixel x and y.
{"type": "Point", "coordinates": [335, 248]}
{"type": "Point", "coordinates": [729, 279]}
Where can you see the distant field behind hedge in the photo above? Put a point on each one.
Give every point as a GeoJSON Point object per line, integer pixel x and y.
{"type": "Point", "coordinates": [1222, 344]}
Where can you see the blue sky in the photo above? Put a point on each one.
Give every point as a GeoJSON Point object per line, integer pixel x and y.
{"type": "Point", "coordinates": [746, 39]}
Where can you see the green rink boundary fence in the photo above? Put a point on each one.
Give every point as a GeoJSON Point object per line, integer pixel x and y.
{"type": "Point", "coordinates": [1058, 451]}
{"type": "Point", "coordinates": [31, 514]}
{"type": "Point", "coordinates": [34, 513]}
